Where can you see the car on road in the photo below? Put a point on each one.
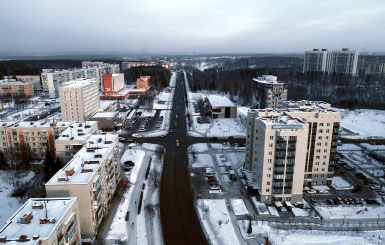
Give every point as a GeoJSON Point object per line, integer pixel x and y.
{"type": "Point", "coordinates": [215, 187]}
{"type": "Point", "coordinates": [177, 142]}
{"type": "Point", "coordinates": [141, 129]}
{"type": "Point", "coordinates": [170, 130]}
{"type": "Point", "coordinates": [375, 187]}
{"type": "Point", "coordinates": [381, 193]}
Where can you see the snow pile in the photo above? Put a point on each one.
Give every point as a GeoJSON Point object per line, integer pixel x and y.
{"type": "Point", "coordinates": [340, 183]}
{"type": "Point", "coordinates": [216, 221]}
{"type": "Point", "coordinates": [239, 207]}
{"type": "Point", "coordinates": [368, 123]}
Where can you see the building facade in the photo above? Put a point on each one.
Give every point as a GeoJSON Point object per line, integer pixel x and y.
{"type": "Point", "coordinates": [143, 82]}
{"type": "Point", "coordinates": [52, 80]}
{"type": "Point", "coordinates": [268, 92]}
{"type": "Point", "coordinates": [128, 64]}
{"type": "Point", "coordinates": [79, 99]}
{"type": "Point", "coordinates": [344, 61]}
{"type": "Point", "coordinates": [44, 221]}
{"type": "Point", "coordinates": [92, 176]}
{"type": "Point", "coordinates": [275, 155]}
{"type": "Point", "coordinates": [113, 83]}
{"type": "Point", "coordinates": [15, 88]}
{"type": "Point", "coordinates": [221, 106]}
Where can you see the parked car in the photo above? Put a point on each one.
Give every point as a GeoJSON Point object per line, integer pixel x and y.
{"type": "Point", "coordinates": [311, 191]}
{"type": "Point", "coordinates": [177, 142]}
{"type": "Point", "coordinates": [323, 191]}
{"type": "Point", "coordinates": [375, 187]}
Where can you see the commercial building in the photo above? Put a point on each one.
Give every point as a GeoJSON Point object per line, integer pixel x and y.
{"type": "Point", "coordinates": [113, 83]}
{"type": "Point", "coordinates": [143, 82]}
{"type": "Point", "coordinates": [72, 139]}
{"type": "Point", "coordinates": [221, 106]}
{"type": "Point", "coordinates": [275, 155]}
{"type": "Point", "coordinates": [52, 80]}
{"type": "Point", "coordinates": [79, 99]}
{"type": "Point", "coordinates": [30, 140]}
{"type": "Point", "coordinates": [268, 92]}
{"type": "Point", "coordinates": [92, 176]}
{"type": "Point", "coordinates": [15, 88]}
{"type": "Point", "coordinates": [128, 64]}
{"type": "Point", "coordinates": [314, 155]}
{"type": "Point", "coordinates": [344, 61]}
{"type": "Point", "coordinates": [44, 221]}
{"type": "Point", "coordinates": [107, 120]}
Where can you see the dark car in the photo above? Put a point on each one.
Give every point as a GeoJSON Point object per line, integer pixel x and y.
{"type": "Point", "coordinates": [129, 163]}
{"type": "Point", "coordinates": [127, 216]}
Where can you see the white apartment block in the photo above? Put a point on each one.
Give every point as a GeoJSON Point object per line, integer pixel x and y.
{"type": "Point", "coordinates": [79, 99]}
{"type": "Point", "coordinates": [268, 92]}
{"type": "Point", "coordinates": [52, 80]}
{"type": "Point", "coordinates": [275, 155]}
{"type": "Point", "coordinates": [344, 61]}
{"type": "Point", "coordinates": [92, 176]}
{"type": "Point", "coordinates": [73, 138]}
{"type": "Point", "coordinates": [44, 221]}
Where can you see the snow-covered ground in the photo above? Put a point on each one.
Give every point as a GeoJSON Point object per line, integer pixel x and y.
{"type": "Point", "coordinates": [9, 204]}
{"type": "Point", "coordinates": [200, 160]}
{"type": "Point", "coordinates": [221, 128]}
{"type": "Point", "coordinates": [305, 237]}
{"type": "Point", "coordinates": [368, 123]}
{"type": "Point", "coordinates": [239, 207]}
{"type": "Point", "coordinates": [351, 212]}
{"type": "Point", "coordinates": [200, 147]}
{"type": "Point", "coordinates": [349, 147]}
{"type": "Point", "coordinates": [340, 183]}
{"type": "Point", "coordinates": [216, 221]}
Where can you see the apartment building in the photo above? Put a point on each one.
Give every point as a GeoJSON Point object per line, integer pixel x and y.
{"type": "Point", "coordinates": [375, 69]}
{"type": "Point", "coordinates": [324, 122]}
{"type": "Point", "coordinates": [52, 80]}
{"type": "Point", "coordinates": [30, 140]}
{"type": "Point", "coordinates": [72, 139]}
{"type": "Point", "coordinates": [79, 99]}
{"type": "Point", "coordinates": [128, 64]}
{"type": "Point", "coordinates": [113, 83]}
{"type": "Point", "coordinates": [268, 92]}
{"type": "Point", "coordinates": [344, 61]}
{"type": "Point", "coordinates": [34, 79]}
{"type": "Point", "coordinates": [275, 155]}
{"type": "Point", "coordinates": [15, 88]}
{"type": "Point", "coordinates": [320, 143]}
{"type": "Point", "coordinates": [44, 221]}
{"type": "Point", "coordinates": [92, 176]}
{"type": "Point", "coordinates": [221, 106]}
{"type": "Point", "coordinates": [143, 82]}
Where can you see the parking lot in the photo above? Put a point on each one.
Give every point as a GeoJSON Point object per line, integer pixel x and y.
{"type": "Point", "coordinates": [204, 112]}
{"type": "Point", "coordinates": [139, 124]}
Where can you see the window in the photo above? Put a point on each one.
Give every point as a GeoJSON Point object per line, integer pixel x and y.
{"type": "Point", "coordinates": [324, 163]}
{"type": "Point", "coordinates": [271, 137]}
{"type": "Point", "coordinates": [268, 183]}
{"type": "Point", "coordinates": [267, 190]}
{"type": "Point", "coordinates": [270, 145]}
{"type": "Point", "coordinates": [317, 163]}
{"type": "Point", "coordinates": [320, 137]}
{"type": "Point", "coordinates": [268, 175]}
{"type": "Point", "coordinates": [270, 153]}
{"type": "Point", "coordinates": [321, 124]}
{"type": "Point", "coordinates": [269, 160]}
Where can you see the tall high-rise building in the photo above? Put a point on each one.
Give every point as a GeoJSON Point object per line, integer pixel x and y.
{"type": "Point", "coordinates": [313, 151]}
{"type": "Point", "coordinates": [79, 99]}
{"type": "Point", "coordinates": [344, 61]}
{"type": "Point", "coordinates": [268, 92]}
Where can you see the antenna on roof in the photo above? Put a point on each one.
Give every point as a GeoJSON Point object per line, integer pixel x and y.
{"type": "Point", "coordinates": [46, 211]}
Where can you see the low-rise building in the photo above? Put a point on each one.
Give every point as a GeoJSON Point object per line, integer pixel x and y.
{"type": "Point", "coordinates": [143, 82]}
{"type": "Point", "coordinates": [44, 221]}
{"type": "Point", "coordinates": [107, 120]}
{"type": "Point", "coordinates": [268, 92]}
{"type": "Point", "coordinates": [221, 106]}
{"type": "Point", "coordinates": [73, 138]}
{"type": "Point", "coordinates": [79, 99]}
{"type": "Point", "coordinates": [92, 176]}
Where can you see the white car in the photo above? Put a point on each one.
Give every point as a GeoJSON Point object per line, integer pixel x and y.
{"type": "Point", "coordinates": [177, 142]}
{"type": "Point", "coordinates": [141, 129]}
{"type": "Point", "coordinates": [322, 191]}
{"type": "Point", "coordinates": [311, 191]}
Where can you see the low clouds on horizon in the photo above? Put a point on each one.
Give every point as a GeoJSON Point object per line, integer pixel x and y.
{"type": "Point", "coordinates": [190, 26]}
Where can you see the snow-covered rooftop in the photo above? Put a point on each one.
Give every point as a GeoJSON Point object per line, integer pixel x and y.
{"type": "Point", "coordinates": [78, 131]}
{"type": "Point", "coordinates": [39, 124]}
{"type": "Point", "coordinates": [105, 114]}
{"type": "Point", "coordinates": [54, 208]}
{"type": "Point", "coordinates": [79, 83]}
{"type": "Point", "coordinates": [84, 165]}
{"type": "Point", "coordinates": [219, 100]}
{"type": "Point", "coordinates": [283, 121]}
{"type": "Point", "coordinates": [268, 79]}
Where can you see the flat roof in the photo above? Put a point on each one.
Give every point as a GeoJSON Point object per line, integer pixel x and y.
{"type": "Point", "coordinates": [78, 131]}
{"type": "Point", "coordinates": [269, 82]}
{"type": "Point", "coordinates": [39, 124]}
{"type": "Point", "coordinates": [55, 208]}
{"type": "Point", "coordinates": [219, 100]}
{"type": "Point", "coordinates": [103, 114]}
{"type": "Point", "coordinates": [84, 165]}
{"type": "Point", "coordinates": [79, 83]}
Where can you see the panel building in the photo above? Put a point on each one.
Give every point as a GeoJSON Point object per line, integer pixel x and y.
{"type": "Point", "coordinates": [313, 146]}
{"type": "Point", "coordinates": [79, 99]}
{"type": "Point", "coordinates": [92, 176]}
{"type": "Point", "coordinates": [268, 92]}
{"type": "Point", "coordinates": [113, 83]}
{"type": "Point", "coordinates": [128, 64]}
{"type": "Point", "coordinates": [344, 61]}
{"type": "Point", "coordinates": [44, 221]}
{"type": "Point", "coordinates": [16, 88]}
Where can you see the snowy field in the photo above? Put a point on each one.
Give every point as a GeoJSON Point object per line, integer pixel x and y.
{"type": "Point", "coordinates": [340, 183]}
{"type": "Point", "coordinates": [9, 204]}
{"type": "Point", "coordinates": [216, 221]}
{"type": "Point", "coordinates": [368, 123]}
{"type": "Point", "coordinates": [306, 237]}
{"type": "Point", "coordinates": [200, 160]}
{"type": "Point", "coordinates": [221, 128]}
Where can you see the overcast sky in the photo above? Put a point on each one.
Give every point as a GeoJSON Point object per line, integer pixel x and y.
{"type": "Point", "coordinates": [177, 26]}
